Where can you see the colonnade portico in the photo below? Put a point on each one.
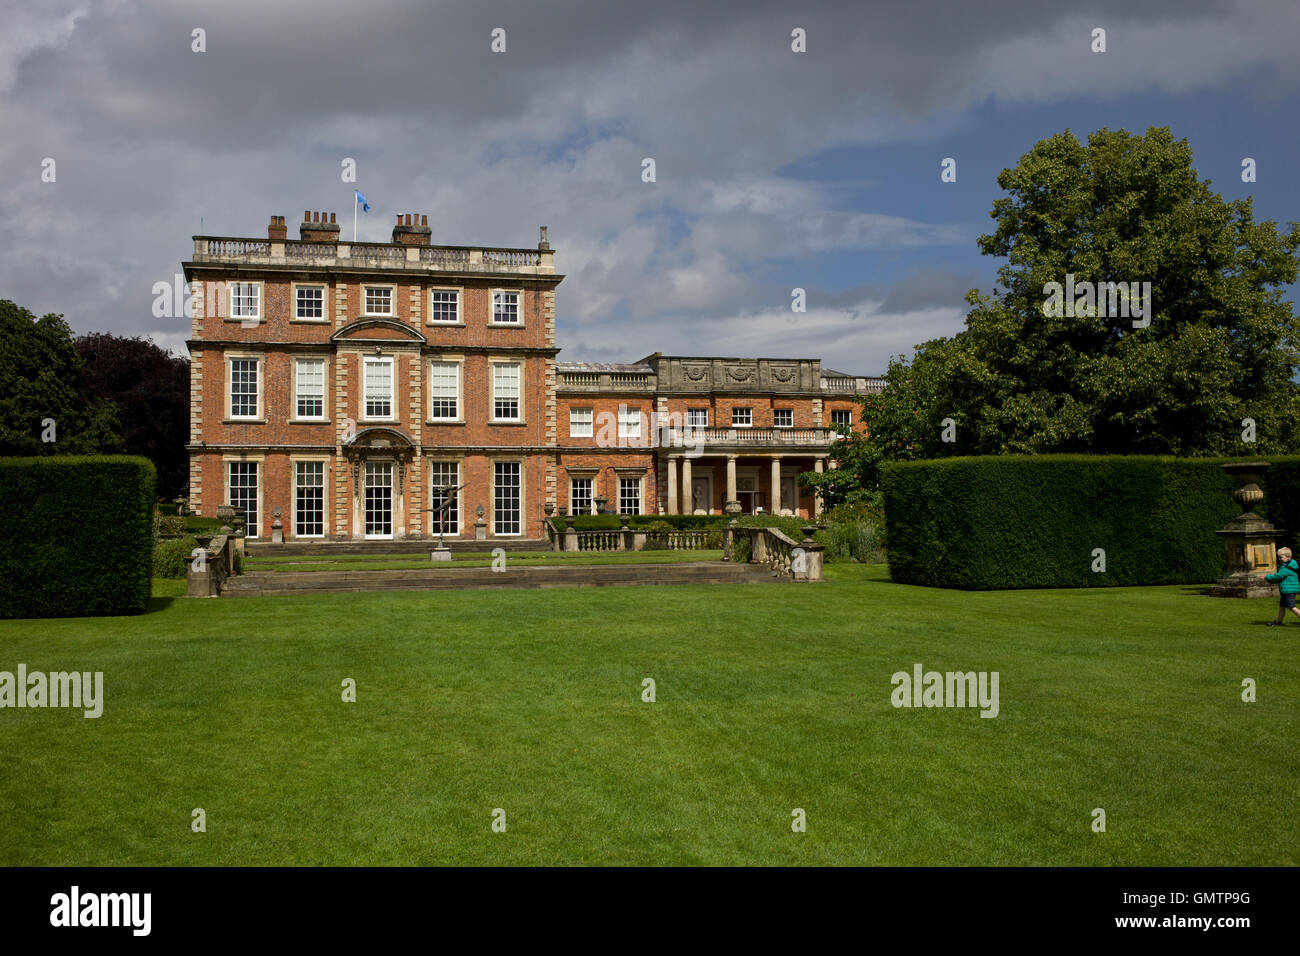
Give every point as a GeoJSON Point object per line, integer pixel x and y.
{"type": "Point", "coordinates": [682, 470]}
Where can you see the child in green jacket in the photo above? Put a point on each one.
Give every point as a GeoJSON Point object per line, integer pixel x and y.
{"type": "Point", "coordinates": [1287, 579]}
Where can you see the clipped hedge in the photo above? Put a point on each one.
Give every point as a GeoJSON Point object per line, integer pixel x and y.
{"type": "Point", "coordinates": [75, 535]}
{"type": "Point", "coordinates": [999, 522]}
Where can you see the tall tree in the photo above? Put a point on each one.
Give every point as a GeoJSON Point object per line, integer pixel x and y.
{"type": "Point", "coordinates": [42, 408]}
{"type": "Point", "coordinates": [150, 388]}
{"type": "Point", "coordinates": [1208, 369]}
{"type": "Point", "coordinates": [1217, 344]}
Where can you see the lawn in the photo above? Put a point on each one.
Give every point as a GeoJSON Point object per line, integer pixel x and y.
{"type": "Point", "coordinates": [769, 697]}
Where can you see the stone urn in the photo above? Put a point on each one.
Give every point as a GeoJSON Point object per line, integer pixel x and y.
{"type": "Point", "coordinates": [1249, 541]}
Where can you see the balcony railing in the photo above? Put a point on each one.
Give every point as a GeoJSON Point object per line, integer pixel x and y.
{"type": "Point", "coordinates": [850, 384]}
{"type": "Point", "coordinates": [376, 255]}
{"type": "Point", "coordinates": [694, 437]}
{"type": "Point", "coordinates": [612, 381]}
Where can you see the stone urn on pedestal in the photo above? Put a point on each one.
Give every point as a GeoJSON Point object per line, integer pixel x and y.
{"type": "Point", "coordinates": [1249, 541]}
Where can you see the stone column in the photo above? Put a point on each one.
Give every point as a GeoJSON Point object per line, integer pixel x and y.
{"type": "Point", "coordinates": [688, 506]}
{"type": "Point", "coordinates": [731, 478]}
{"type": "Point", "coordinates": [817, 498]}
{"type": "Point", "coordinates": [776, 485]}
{"type": "Point", "coordinates": [672, 484]}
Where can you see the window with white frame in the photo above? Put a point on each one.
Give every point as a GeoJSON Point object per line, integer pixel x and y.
{"type": "Point", "coordinates": [379, 388]}
{"type": "Point", "coordinates": [241, 491]}
{"type": "Point", "coordinates": [742, 417]}
{"type": "Point", "coordinates": [311, 388]}
{"type": "Point", "coordinates": [505, 307]}
{"type": "Point", "coordinates": [629, 422]}
{"type": "Point", "coordinates": [580, 422]}
{"type": "Point", "coordinates": [310, 302]}
{"type": "Point", "coordinates": [243, 387]}
{"type": "Point", "coordinates": [444, 306]}
{"type": "Point", "coordinates": [783, 417]}
{"type": "Point", "coordinates": [379, 300]}
{"type": "Point", "coordinates": [629, 496]}
{"type": "Point", "coordinates": [506, 497]}
{"type": "Point", "coordinates": [309, 504]}
{"type": "Point", "coordinates": [505, 391]}
{"type": "Point", "coordinates": [444, 391]}
{"type": "Point", "coordinates": [697, 418]}
{"type": "Point", "coordinates": [841, 416]}
{"type": "Point", "coordinates": [245, 300]}
{"type": "Point", "coordinates": [581, 495]}
{"type": "Point", "coordinates": [446, 479]}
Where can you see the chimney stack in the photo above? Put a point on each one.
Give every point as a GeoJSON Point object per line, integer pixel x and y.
{"type": "Point", "coordinates": [318, 227]}
{"type": "Point", "coordinates": [277, 231]}
{"type": "Point", "coordinates": [412, 229]}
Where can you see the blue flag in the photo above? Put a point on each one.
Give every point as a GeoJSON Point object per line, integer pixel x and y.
{"type": "Point", "coordinates": [365, 206]}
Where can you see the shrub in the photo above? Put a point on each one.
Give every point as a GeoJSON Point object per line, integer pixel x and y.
{"type": "Point", "coordinates": [76, 535]}
{"type": "Point", "coordinates": [1034, 521]}
{"type": "Point", "coordinates": [196, 525]}
{"type": "Point", "coordinates": [657, 535]}
{"type": "Point", "coordinates": [171, 558]}
{"type": "Point", "coordinates": [167, 526]}
{"type": "Point", "coordinates": [614, 522]}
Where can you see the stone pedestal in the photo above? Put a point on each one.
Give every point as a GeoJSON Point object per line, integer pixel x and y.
{"type": "Point", "coordinates": [440, 553]}
{"type": "Point", "coordinates": [1249, 541]}
{"type": "Point", "coordinates": [480, 526]}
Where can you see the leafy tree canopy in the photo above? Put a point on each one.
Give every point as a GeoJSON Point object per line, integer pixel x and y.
{"type": "Point", "coordinates": [1217, 344]}
{"type": "Point", "coordinates": [40, 396]}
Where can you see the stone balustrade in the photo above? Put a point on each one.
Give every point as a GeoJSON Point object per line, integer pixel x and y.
{"type": "Point", "coordinates": [377, 255]}
{"type": "Point", "coordinates": [788, 559]}
{"type": "Point", "coordinates": [211, 564]}
{"type": "Point", "coordinates": [746, 437]}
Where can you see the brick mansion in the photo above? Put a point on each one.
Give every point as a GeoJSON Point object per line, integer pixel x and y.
{"type": "Point", "coordinates": [353, 390]}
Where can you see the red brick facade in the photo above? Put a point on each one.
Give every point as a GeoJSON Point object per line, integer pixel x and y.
{"type": "Point", "coordinates": [337, 383]}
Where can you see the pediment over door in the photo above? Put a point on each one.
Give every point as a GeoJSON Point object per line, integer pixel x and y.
{"type": "Point", "coordinates": [381, 443]}
{"type": "Point", "coordinates": [378, 332]}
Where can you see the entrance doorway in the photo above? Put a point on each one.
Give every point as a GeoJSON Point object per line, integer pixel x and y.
{"type": "Point", "coordinates": [379, 499]}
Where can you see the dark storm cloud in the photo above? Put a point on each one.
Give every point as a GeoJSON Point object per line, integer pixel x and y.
{"type": "Point", "coordinates": [150, 137]}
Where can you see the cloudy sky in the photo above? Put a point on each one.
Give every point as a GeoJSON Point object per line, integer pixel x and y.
{"type": "Point", "coordinates": [775, 169]}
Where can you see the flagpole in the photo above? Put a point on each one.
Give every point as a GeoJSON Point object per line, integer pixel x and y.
{"type": "Point", "coordinates": [354, 215]}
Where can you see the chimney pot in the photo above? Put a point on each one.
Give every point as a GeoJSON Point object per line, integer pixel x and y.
{"type": "Point", "coordinates": [317, 227]}
{"type": "Point", "coordinates": [331, 217]}
{"type": "Point", "coordinates": [424, 220]}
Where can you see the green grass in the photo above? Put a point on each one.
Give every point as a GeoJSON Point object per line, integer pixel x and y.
{"type": "Point", "coordinates": [406, 562]}
{"type": "Point", "coordinates": [770, 697]}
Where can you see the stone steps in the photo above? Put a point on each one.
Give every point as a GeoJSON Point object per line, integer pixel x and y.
{"type": "Point", "coordinates": [265, 583]}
